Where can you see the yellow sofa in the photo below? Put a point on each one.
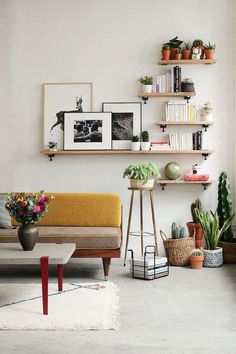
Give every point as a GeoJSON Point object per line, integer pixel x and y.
{"type": "Point", "coordinates": [92, 221]}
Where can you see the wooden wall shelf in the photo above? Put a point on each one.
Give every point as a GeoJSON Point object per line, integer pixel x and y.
{"type": "Point", "coordinates": [186, 95]}
{"type": "Point", "coordinates": [164, 123]}
{"type": "Point", "coordinates": [188, 61]}
{"type": "Point", "coordinates": [163, 182]}
{"type": "Point", "coordinates": [51, 154]}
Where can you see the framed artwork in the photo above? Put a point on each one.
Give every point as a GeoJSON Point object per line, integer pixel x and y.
{"type": "Point", "coordinates": [59, 99]}
{"type": "Point", "coordinates": [126, 122]}
{"type": "Point", "coordinates": [87, 131]}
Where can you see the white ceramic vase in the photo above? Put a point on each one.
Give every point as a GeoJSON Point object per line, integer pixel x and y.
{"type": "Point", "coordinates": [135, 145]}
{"type": "Point", "coordinates": [145, 145]}
{"type": "Point", "coordinates": [147, 88]}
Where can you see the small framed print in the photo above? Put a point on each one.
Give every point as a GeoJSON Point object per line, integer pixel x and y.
{"type": "Point", "coordinates": [126, 122]}
{"type": "Point", "coordinates": [87, 131]}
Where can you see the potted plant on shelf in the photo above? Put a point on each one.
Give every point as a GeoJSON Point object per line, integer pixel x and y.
{"type": "Point", "coordinates": [210, 50]}
{"type": "Point", "coordinates": [198, 43]}
{"type": "Point", "coordinates": [165, 52]}
{"type": "Point", "coordinates": [206, 112]}
{"type": "Point", "coordinates": [213, 256]}
{"type": "Point", "coordinates": [196, 258]}
{"type": "Point", "coordinates": [142, 175]}
{"type": "Point", "coordinates": [173, 43]}
{"type": "Point", "coordinates": [224, 211]}
{"type": "Point", "coordinates": [145, 143]}
{"type": "Point", "coordinates": [178, 54]}
{"type": "Point", "coordinates": [27, 209]}
{"type": "Point", "coordinates": [186, 51]}
{"type": "Point", "coordinates": [135, 144]}
{"type": "Point", "coordinates": [147, 82]}
{"type": "Point", "coordinates": [195, 227]}
{"type": "Point", "coordinates": [52, 145]}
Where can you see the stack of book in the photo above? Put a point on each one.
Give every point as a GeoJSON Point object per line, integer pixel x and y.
{"type": "Point", "coordinates": [160, 145]}
{"type": "Point", "coordinates": [182, 111]}
{"type": "Point", "coordinates": [149, 267]}
{"type": "Point", "coordinates": [186, 141]}
{"type": "Point", "coordinates": [169, 82]}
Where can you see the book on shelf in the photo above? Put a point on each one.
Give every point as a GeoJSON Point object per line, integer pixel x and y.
{"type": "Point", "coordinates": [148, 261]}
{"type": "Point", "coordinates": [202, 178]}
{"type": "Point", "coordinates": [160, 145]}
{"type": "Point", "coordinates": [186, 141]}
{"type": "Point", "coordinates": [182, 111]}
{"type": "Point", "coordinates": [168, 82]}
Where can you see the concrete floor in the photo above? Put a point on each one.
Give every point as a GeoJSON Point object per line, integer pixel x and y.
{"type": "Point", "coordinates": [189, 312]}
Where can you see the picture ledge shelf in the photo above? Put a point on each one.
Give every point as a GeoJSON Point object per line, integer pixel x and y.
{"type": "Point", "coordinates": [51, 153]}
{"type": "Point", "coordinates": [187, 61]}
{"type": "Point", "coordinates": [186, 95]}
{"type": "Point", "coordinates": [164, 182]}
{"type": "Point", "coordinates": [164, 123]}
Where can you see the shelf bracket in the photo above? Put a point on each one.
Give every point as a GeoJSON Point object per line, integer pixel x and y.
{"type": "Point", "coordinates": [51, 156]}
{"type": "Point", "coordinates": [163, 127]}
{"type": "Point", "coordinates": [205, 126]}
{"type": "Point", "coordinates": [205, 155]}
{"type": "Point", "coordinates": [163, 186]}
{"type": "Point", "coordinates": [205, 185]}
{"type": "Point", "coordinates": [145, 99]}
{"type": "Point", "coordinates": [187, 98]}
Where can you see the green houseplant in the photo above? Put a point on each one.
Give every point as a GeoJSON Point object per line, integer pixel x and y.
{"type": "Point", "coordinates": [135, 144]}
{"type": "Point", "coordinates": [196, 258]}
{"type": "Point", "coordinates": [145, 143]}
{"type": "Point", "coordinates": [173, 43]}
{"type": "Point", "coordinates": [194, 226]}
{"type": "Point", "coordinates": [213, 256]}
{"type": "Point", "coordinates": [177, 231]}
{"type": "Point", "coordinates": [186, 51]}
{"type": "Point", "coordinates": [147, 82]}
{"type": "Point", "coordinates": [210, 50]}
{"type": "Point", "coordinates": [165, 52]}
{"type": "Point", "coordinates": [142, 174]}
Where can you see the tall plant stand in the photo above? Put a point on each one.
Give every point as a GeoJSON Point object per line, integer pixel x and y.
{"type": "Point", "coordinates": [141, 233]}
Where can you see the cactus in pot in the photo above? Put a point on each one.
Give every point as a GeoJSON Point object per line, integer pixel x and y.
{"type": "Point", "coordinates": [194, 227]}
{"type": "Point", "coordinates": [196, 258]}
{"type": "Point", "coordinates": [177, 231]}
{"type": "Point", "coordinates": [145, 144]}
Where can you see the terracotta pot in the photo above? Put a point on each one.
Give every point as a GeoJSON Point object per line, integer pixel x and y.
{"type": "Point", "coordinates": [186, 54]}
{"type": "Point", "coordinates": [195, 230]}
{"type": "Point", "coordinates": [210, 53]}
{"type": "Point", "coordinates": [202, 50]}
{"type": "Point", "coordinates": [178, 56]}
{"type": "Point", "coordinates": [172, 53]}
{"type": "Point", "coordinates": [165, 54]}
{"type": "Point", "coordinates": [196, 261]}
{"type": "Point", "coordinates": [229, 251]}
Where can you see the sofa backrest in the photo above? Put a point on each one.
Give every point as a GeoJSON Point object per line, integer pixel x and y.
{"type": "Point", "coordinates": [83, 209]}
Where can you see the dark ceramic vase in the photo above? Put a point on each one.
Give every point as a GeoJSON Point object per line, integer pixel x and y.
{"type": "Point", "coordinates": [28, 235]}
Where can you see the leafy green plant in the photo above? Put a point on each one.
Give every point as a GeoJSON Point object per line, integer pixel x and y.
{"type": "Point", "coordinates": [177, 231]}
{"type": "Point", "coordinates": [196, 205]}
{"type": "Point", "coordinates": [224, 208]}
{"type": "Point", "coordinates": [145, 136]}
{"type": "Point", "coordinates": [211, 227]}
{"type": "Point", "coordinates": [209, 46]}
{"type": "Point", "coordinates": [141, 171]}
{"type": "Point", "coordinates": [146, 80]}
{"type": "Point", "coordinates": [165, 47]}
{"type": "Point", "coordinates": [135, 138]}
{"type": "Point", "coordinates": [196, 252]}
{"type": "Point", "coordinates": [197, 43]}
{"type": "Point", "coordinates": [187, 46]}
{"type": "Point", "coordinates": [174, 42]}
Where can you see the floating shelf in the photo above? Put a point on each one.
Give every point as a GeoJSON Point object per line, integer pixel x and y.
{"type": "Point", "coordinates": [187, 61]}
{"type": "Point", "coordinates": [51, 154]}
{"type": "Point", "coordinates": [164, 123]}
{"type": "Point", "coordinates": [186, 95]}
{"type": "Point", "coordinates": [163, 182]}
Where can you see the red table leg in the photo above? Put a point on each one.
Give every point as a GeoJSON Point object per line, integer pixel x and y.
{"type": "Point", "coordinates": [44, 276]}
{"type": "Point", "coordinates": [60, 277]}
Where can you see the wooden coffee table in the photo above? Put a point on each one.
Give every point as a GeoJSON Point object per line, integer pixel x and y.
{"type": "Point", "coordinates": [43, 254]}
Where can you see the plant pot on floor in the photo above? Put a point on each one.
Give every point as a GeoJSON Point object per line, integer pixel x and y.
{"type": "Point", "coordinates": [196, 262]}
{"type": "Point", "coordinates": [213, 258]}
{"type": "Point", "coordinates": [28, 235]}
{"type": "Point", "coordinates": [195, 230]}
{"type": "Point", "coordinates": [147, 88]}
{"type": "Point", "coordinates": [229, 251]}
{"type": "Point", "coordinates": [140, 183]}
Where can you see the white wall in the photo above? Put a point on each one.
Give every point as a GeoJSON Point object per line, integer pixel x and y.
{"type": "Point", "coordinates": [110, 43]}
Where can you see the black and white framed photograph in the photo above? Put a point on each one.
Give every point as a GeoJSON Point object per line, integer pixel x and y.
{"type": "Point", "coordinates": [126, 122]}
{"type": "Point", "coordinates": [87, 131]}
{"type": "Point", "coordinates": [59, 99]}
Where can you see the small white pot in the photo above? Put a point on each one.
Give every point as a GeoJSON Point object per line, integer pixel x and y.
{"type": "Point", "coordinates": [137, 183]}
{"type": "Point", "coordinates": [135, 145]}
{"type": "Point", "coordinates": [145, 145]}
{"type": "Point", "coordinates": [147, 88]}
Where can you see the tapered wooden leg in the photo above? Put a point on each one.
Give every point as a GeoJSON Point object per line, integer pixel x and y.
{"type": "Point", "coordinates": [106, 263]}
{"type": "Point", "coordinates": [154, 222]}
{"type": "Point", "coordinates": [44, 276]}
{"type": "Point", "coordinates": [141, 220]}
{"type": "Point", "coordinates": [129, 223]}
{"type": "Point", "coordinates": [60, 276]}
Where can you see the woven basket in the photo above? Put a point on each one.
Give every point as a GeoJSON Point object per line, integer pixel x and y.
{"type": "Point", "coordinates": [229, 251]}
{"type": "Point", "coordinates": [179, 250]}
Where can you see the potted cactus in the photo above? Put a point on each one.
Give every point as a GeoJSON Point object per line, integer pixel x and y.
{"type": "Point", "coordinates": [196, 258]}
{"type": "Point", "coordinates": [194, 227]}
{"type": "Point", "coordinates": [198, 43]}
{"type": "Point", "coordinates": [177, 231]}
{"type": "Point", "coordinates": [147, 82]}
{"type": "Point", "coordinates": [142, 174]}
{"type": "Point", "coordinates": [224, 211]}
{"type": "Point", "coordinates": [165, 52]}
{"type": "Point", "coordinates": [173, 43]}
{"type": "Point", "coordinates": [135, 144]}
{"type": "Point", "coordinates": [145, 144]}
{"type": "Point", "coordinates": [178, 54]}
{"type": "Point", "coordinates": [210, 50]}
{"type": "Point", "coordinates": [186, 52]}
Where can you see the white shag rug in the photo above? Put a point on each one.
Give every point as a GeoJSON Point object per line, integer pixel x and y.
{"type": "Point", "coordinates": [81, 306]}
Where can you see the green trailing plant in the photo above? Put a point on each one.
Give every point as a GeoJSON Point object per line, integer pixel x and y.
{"type": "Point", "coordinates": [135, 138]}
{"type": "Point", "coordinates": [165, 47]}
{"type": "Point", "coordinates": [146, 80]}
{"type": "Point", "coordinates": [187, 46]}
{"type": "Point", "coordinates": [211, 227]}
{"type": "Point", "coordinates": [145, 136]}
{"type": "Point", "coordinates": [196, 205]}
{"type": "Point", "coordinates": [198, 43]}
{"type": "Point", "coordinates": [224, 208]}
{"type": "Point", "coordinates": [196, 252]}
{"type": "Point", "coordinates": [142, 171]}
{"type": "Point", "coordinates": [177, 231]}
{"type": "Point", "coordinates": [174, 42]}
{"type": "Point", "coordinates": [209, 46]}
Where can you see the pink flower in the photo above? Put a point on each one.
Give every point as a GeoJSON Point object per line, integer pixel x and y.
{"type": "Point", "coordinates": [36, 209]}
{"type": "Point", "coordinates": [42, 207]}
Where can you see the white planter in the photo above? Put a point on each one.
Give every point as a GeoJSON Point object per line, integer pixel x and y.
{"type": "Point", "coordinates": [137, 183]}
{"type": "Point", "coordinates": [145, 146]}
{"type": "Point", "coordinates": [135, 145]}
{"type": "Point", "coordinates": [147, 88]}
{"type": "Point", "coordinates": [213, 258]}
